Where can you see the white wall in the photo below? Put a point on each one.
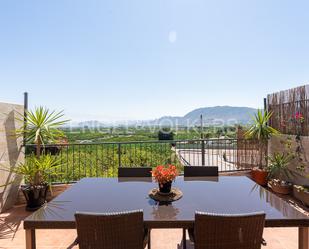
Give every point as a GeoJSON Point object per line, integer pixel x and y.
{"type": "Point", "coordinates": [11, 153]}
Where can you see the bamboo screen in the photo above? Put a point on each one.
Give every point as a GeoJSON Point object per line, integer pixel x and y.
{"type": "Point", "coordinates": [287, 107]}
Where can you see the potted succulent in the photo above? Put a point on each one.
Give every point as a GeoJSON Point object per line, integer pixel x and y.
{"type": "Point", "coordinates": [164, 175]}
{"type": "Point", "coordinates": [40, 126]}
{"type": "Point", "coordinates": [302, 194]}
{"type": "Point", "coordinates": [278, 172]}
{"type": "Point", "coordinates": [261, 132]}
{"type": "Point", "coordinates": [37, 173]}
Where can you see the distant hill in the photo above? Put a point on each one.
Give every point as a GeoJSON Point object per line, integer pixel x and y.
{"type": "Point", "coordinates": [216, 115]}
{"type": "Point", "coordinates": [212, 116]}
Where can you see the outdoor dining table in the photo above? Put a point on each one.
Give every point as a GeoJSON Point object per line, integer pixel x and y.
{"type": "Point", "coordinates": [223, 195]}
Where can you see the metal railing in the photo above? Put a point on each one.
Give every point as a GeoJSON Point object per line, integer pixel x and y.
{"type": "Point", "coordinates": [103, 159]}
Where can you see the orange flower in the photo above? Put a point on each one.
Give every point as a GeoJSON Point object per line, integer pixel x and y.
{"type": "Point", "coordinates": [164, 174]}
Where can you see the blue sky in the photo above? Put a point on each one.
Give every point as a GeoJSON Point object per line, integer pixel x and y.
{"type": "Point", "coordinates": [141, 59]}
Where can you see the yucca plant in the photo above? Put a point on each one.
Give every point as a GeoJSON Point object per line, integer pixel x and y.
{"type": "Point", "coordinates": [261, 131]}
{"type": "Point", "coordinates": [41, 126]}
{"type": "Point", "coordinates": [278, 165]}
{"type": "Point", "coordinates": [36, 171]}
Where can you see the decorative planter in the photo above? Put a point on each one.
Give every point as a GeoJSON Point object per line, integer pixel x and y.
{"type": "Point", "coordinates": [35, 196]}
{"type": "Point", "coordinates": [278, 187]}
{"type": "Point", "coordinates": [259, 176]}
{"type": "Point", "coordinates": [165, 187]}
{"type": "Point", "coordinates": [301, 194]}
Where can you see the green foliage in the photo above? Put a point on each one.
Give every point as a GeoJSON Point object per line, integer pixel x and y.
{"type": "Point", "coordinates": [260, 129]}
{"type": "Point", "coordinates": [129, 134]}
{"type": "Point", "coordinates": [97, 153]}
{"type": "Point", "coordinates": [41, 126]}
{"type": "Point", "coordinates": [103, 160]}
{"type": "Point", "coordinates": [278, 165]}
{"type": "Point", "coordinates": [35, 170]}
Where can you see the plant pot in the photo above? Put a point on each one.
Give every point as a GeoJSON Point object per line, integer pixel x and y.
{"type": "Point", "coordinates": [278, 187]}
{"type": "Point", "coordinates": [260, 176]}
{"type": "Point", "coordinates": [35, 196]}
{"type": "Point", "coordinates": [301, 194]}
{"type": "Point", "coordinates": [253, 173]}
{"type": "Point", "coordinates": [165, 187]}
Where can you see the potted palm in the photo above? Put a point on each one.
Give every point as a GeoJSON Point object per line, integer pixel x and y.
{"type": "Point", "coordinates": [41, 126]}
{"type": "Point", "coordinates": [37, 173]}
{"type": "Point", "coordinates": [278, 172]}
{"type": "Point", "coordinates": [261, 132]}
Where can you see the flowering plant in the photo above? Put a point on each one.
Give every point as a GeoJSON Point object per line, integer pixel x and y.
{"type": "Point", "coordinates": [164, 174]}
{"type": "Point", "coordinates": [297, 121]}
{"type": "Point", "coordinates": [300, 117]}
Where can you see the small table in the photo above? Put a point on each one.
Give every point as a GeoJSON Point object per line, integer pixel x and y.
{"type": "Point", "coordinates": [225, 194]}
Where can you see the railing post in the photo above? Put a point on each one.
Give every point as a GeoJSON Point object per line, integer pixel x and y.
{"type": "Point", "coordinates": [25, 115]}
{"type": "Point", "coordinates": [119, 155]}
{"type": "Point", "coordinates": [203, 152]}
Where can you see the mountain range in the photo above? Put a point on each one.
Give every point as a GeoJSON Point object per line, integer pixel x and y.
{"type": "Point", "coordinates": [216, 115]}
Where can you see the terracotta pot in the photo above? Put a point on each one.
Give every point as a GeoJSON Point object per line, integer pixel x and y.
{"type": "Point", "coordinates": [280, 188]}
{"type": "Point", "coordinates": [260, 176]}
{"type": "Point", "coordinates": [301, 195]}
{"type": "Point", "coordinates": [253, 173]}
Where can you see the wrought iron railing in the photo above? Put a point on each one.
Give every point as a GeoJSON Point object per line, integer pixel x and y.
{"type": "Point", "coordinates": [103, 159]}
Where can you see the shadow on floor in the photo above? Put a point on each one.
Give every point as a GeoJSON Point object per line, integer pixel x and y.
{"type": "Point", "coordinates": [10, 222]}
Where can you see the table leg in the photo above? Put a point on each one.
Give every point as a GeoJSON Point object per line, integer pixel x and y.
{"type": "Point", "coordinates": [30, 239]}
{"type": "Point", "coordinates": [303, 237]}
{"type": "Point", "coordinates": [149, 240]}
{"type": "Point", "coordinates": [184, 238]}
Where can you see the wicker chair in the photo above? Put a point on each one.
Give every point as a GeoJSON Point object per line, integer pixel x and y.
{"type": "Point", "coordinates": [197, 171]}
{"type": "Point", "coordinates": [194, 171]}
{"type": "Point", "coordinates": [134, 172]}
{"type": "Point", "coordinates": [213, 231]}
{"type": "Point", "coordinates": [123, 230]}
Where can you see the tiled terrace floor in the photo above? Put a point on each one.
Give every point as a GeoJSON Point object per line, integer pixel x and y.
{"type": "Point", "coordinates": [12, 235]}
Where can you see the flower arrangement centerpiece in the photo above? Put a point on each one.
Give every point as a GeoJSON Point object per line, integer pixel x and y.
{"type": "Point", "coordinates": [164, 175]}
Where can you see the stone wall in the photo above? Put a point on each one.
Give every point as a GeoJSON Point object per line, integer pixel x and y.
{"type": "Point", "coordinates": [277, 144]}
{"type": "Point", "coordinates": [11, 153]}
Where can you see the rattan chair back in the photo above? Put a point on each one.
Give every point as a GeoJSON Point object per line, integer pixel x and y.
{"type": "Point", "coordinates": [191, 171]}
{"type": "Point", "coordinates": [123, 230]}
{"type": "Point", "coordinates": [212, 231]}
{"type": "Point", "coordinates": [134, 172]}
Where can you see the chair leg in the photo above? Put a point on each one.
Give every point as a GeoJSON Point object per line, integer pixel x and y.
{"type": "Point", "coordinates": [74, 243]}
{"type": "Point", "coordinates": [184, 238]}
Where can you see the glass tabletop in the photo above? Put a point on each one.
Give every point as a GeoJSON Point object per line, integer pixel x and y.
{"type": "Point", "coordinates": [224, 195]}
